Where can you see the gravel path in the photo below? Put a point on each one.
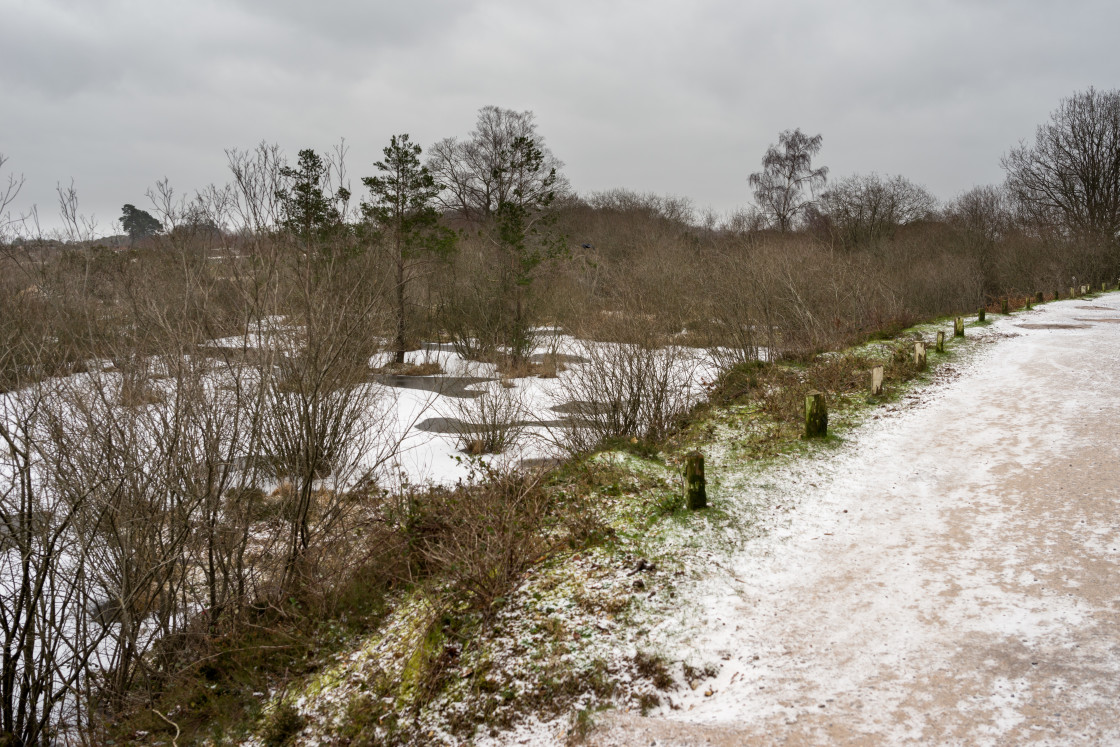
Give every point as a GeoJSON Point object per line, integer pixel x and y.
{"type": "Point", "coordinates": [953, 575]}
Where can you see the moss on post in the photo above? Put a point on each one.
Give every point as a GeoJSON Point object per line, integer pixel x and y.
{"type": "Point", "coordinates": [1004, 306]}
{"type": "Point", "coordinates": [816, 415]}
{"type": "Point", "coordinates": [920, 355]}
{"type": "Point", "coordinates": [981, 314]}
{"type": "Point", "coordinates": [695, 487]}
{"type": "Point", "coordinates": [1039, 297]}
{"type": "Point", "coordinates": [958, 327]}
{"type": "Point", "coordinates": [941, 341]}
{"type": "Point", "coordinates": [877, 381]}
{"type": "Point", "coordinates": [1028, 303]}
{"type": "Point", "coordinates": [1072, 292]}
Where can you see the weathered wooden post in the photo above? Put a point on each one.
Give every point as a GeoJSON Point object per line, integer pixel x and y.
{"type": "Point", "coordinates": [1039, 297]}
{"type": "Point", "coordinates": [980, 314]}
{"type": "Point", "coordinates": [1104, 287]}
{"type": "Point", "coordinates": [958, 327]}
{"type": "Point", "coordinates": [941, 341]}
{"type": "Point", "coordinates": [1003, 306]}
{"type": "Point", "coordinates": [1057, 294]}
{"type": "Point", "coordinates": [877, 380]}
{"type": "Point", "coordinates": [816, 415]}
{"type": "Point", "coordinates": [1028, 303]}
{"type": "Point", "coordinates": [695, 488]}
{"type": "Point", "coordinates": [1072, 292]}
{"type": "Point", "coordinates": [920, 355]}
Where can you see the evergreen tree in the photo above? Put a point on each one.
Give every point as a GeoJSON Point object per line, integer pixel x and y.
{"type": "Point", "coordinates": [307, 209]}
{"type": "Point", "coordinates": [402, 210]}
{"type": "Point", "coordinates": [139, 224]}
{"type": "Point", "coordinates": [523, 227]}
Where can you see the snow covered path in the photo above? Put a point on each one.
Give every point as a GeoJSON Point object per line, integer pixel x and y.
{"type": "Point", "coordinates": [953, 576]}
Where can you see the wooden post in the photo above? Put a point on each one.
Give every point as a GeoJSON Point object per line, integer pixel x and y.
{"type": "Point", "coordinates": [980, 315]}
{"type": "Point", "coordinates": [1072, 292]}
{"type": "Point", "coordinates": [816, 415]}
{"type": "Point", "coordinates": [1104, 287]}
{"type": "Point", "coordinates": [920, 355]}
{"type": "Point", "coordinates": [877, 380]}
{"type": "Point", "coordinates": [695, 490]}
{"type": "Point", "coordinates": [941, 341]}
{"type": "Point", "coordinates": [1057, 294]}
{"type": "Point", "coordinates": [958, 327]}
{"type": "Point", "coordinates": [1028, 303]}
{"type": "Point", "coordinates": [1003, 306]}
{"type": "Point", "coordinates": [1039, 298]}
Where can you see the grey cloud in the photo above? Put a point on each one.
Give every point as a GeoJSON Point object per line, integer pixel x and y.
{"type": "Point", "coordinates": [665, 96]}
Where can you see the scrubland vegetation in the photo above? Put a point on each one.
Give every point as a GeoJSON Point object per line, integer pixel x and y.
{"type": "Point", "coordinates": [196, 510]}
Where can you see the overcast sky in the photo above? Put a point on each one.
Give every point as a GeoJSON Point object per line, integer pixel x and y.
{"type": "Point", "coordinates": [675, 98]}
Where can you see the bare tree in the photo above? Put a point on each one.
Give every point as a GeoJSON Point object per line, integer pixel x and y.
{"type": "Point", "coordinates": [9, 191]}
{"type": "Point", "coordinates": [787, 172]}
{"type": "Point", "coordinates": [869, 207]}
{"type": "Point", "coordinates": [46, 642]}
{"type": "Point", "coordinates": [321, 411]}
{"type": "Point", "coordinates": [481, 173]}
{"type": "Point", "coordinates": [983, 217]}
{"type": "Point", "coordinates": [1068, 181]}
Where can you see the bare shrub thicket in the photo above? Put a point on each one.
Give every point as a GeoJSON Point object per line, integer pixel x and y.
{"type": "Point", "coordinates": [634, 383]}
{"type": "Point", "coordinates": [190, 373]}
{"type": "Point", "coordinates": [482, 537]}
{"type": "Point", "coordinates": [321, 411]}
{"type": "Point", "coordinates": [492, 422]}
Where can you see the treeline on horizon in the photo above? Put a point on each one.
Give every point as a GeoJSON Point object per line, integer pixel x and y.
{"type": "Point", "coordinates": [481, 239]}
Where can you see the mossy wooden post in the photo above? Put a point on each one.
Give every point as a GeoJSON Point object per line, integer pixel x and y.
{"type": "Point", "coordinates": [980, 314]}
{"type": "Point", "coordinates": [816, 415]}
{"type": "Point", "coordinates": [1104, 287]}
{"type": "Point", "coordinates": [1072, 292]}
{"type": "Point", "coordinates": [1003, 306]}
{"type": "Point", "coordinates": [920, 355]}
{"type": "Point", "coordinates": [1039, 298]}
{"type": "Point", "coordinates": [941, 341]}
{"type": "Point", "coordinates": [958, 327]}
{"type": "Point", "coordinates": [696, 491]}
{"type": "Point", "coordinates": [1057, 294]}
{"type": "Point", "coordinates": [1028, 303]}
{"type": "Point", "coordinates": [877, 381]}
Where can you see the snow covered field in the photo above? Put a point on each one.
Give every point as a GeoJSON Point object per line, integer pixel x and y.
{"type": "Point", "coordinates": [431, 454]}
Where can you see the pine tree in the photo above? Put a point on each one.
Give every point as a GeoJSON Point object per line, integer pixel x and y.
{"type": "Point", "coordinates": [402, 209]}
